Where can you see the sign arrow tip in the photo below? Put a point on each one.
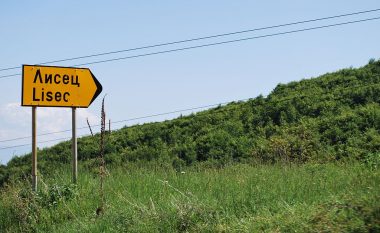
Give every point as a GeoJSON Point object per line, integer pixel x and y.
{"type": "Point", "coordinates": [99, 87]}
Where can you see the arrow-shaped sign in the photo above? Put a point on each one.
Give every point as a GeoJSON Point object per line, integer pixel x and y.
{"type": "Point", "coordinates": [51, 86]}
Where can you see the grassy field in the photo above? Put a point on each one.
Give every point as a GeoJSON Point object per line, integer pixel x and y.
{"type": "Point", "coordinates": [238, 198]}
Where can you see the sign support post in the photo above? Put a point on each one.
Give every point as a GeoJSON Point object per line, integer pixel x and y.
{"type": "Point", "coordinates": [34, 149]}
{"type": "Point", "coordinates": [54, 86]}
{"type": "Point", "coordinates": [74, 146]}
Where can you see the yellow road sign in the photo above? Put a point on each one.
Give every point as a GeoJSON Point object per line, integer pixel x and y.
{"type": "Point", "coordinates": [51, 86]}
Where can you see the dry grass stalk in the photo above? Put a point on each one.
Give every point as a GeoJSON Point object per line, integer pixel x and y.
{"type": "Point", "coordinates": [102, 165]}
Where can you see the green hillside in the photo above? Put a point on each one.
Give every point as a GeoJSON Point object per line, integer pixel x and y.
{"type": "Point", "coordinates": [332, 117]}
{"type": "Point", "coordinates": [305, 158]}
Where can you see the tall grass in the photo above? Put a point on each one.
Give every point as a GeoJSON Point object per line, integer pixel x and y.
{"type": "Point", "coordinates": [238, 198]}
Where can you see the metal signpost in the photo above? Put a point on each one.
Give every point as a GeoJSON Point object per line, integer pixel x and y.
{"type": "Point", "coordinates": [52, 86]}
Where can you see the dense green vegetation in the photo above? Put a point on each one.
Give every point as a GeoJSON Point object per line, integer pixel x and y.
{"type": "Point", "coordinates": [333, 117]}
{"type": "Point", "coordinates": [238, 198]}
{"type": "Point", "coordinates": [305, 158]}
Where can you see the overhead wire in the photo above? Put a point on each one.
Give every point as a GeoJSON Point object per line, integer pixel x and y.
{"type": "Point", "coordinates": [200, 38]}
{"type": "Point", "coordinates": [125, 120]}
{"type": "Point", "coordinates": [50, 140]}
{"type": "Point", "coordinates": [178, 111]}
{"type": "Point", "coordinates": [200, 46]}
{"type": "Point", "coordinates": [229, 41]}
{"type": "Point", "coordinates": [216, 43]}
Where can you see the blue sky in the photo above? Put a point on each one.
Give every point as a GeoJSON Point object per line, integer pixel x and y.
{"type": "Point", "coordinates": [38, 31]}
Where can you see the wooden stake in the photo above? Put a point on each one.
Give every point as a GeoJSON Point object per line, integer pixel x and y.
{"type": "Point", "coordinates": [109, 126]}
{"type": "Point", "coordinates": [89, 126]}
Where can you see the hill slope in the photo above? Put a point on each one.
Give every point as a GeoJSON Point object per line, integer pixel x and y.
{"type": "Point", "coordinates": [332, 117]}
{"type": "Point", "coordinates": [288, 184]}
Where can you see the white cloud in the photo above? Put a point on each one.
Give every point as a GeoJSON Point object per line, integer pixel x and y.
{"type": "Point", "coordinates": [15, 120]}
{"type": "Point", "coordinates": [83, 114]}
{"type": "Point", "coordinates": [13, 113]}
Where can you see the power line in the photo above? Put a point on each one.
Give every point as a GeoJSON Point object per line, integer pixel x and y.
{"type": "Point", "coordinates": [10, 75]}
{"type": "Point", "coordinates": [229, 41]}
{"type": "Point", "coordinates": [223, 42]}
{"type": "Point", "coordinates": [125, 120]}
{"type": "Point", "coordinates": [51, 140]}
{"type": "Point", "coordinates": [205, 45]}
{"type": "Point", "coordinates": [199, 38]}
{"type": "Point", "coordinates": [218, 43]}
{"type": "Point", "coordinates": [168, 113]}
